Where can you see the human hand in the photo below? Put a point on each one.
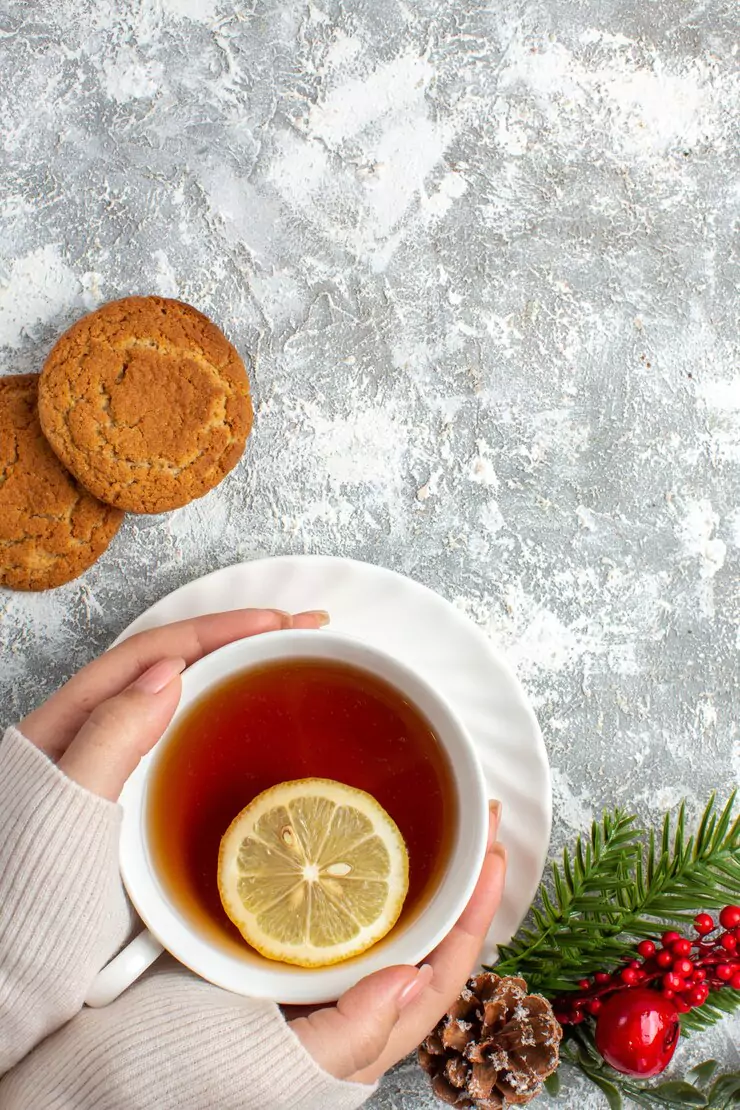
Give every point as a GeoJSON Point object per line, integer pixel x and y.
{"type": "Point", "coordinates": [99, 725]}
{"type": "Point", "coordinates": [388, 1014]}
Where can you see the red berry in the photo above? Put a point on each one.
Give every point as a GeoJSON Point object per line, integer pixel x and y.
{"type": "Point", "coordinates": [703, 924]}
{"type": "Point", "coordinates": [724, 971]}
{"type": "Point", "coordinates": [668, 994]}
{"type": "Point", "coordinates": [628, 976]}
{"type": "Point", "coordinates": [664, 958]}
{"type": "Point", "coordinates": [641, 976]}
{"type": "Point", "coordinates": [584, 984]}
{"type": "Point", "coordinates": [576, 1017]}
{"type": "Point", "coordinates": [683, 966]}
{"type": "Point", "coordinates": [595, 1006]}
{"type": "Point", "coordinates": [698, 996]}
{"type": "Point", "coordinates": [681, 1005]}
{"type": "Point", "coordinates": [635, 964]}
{"type": "Point", "coordinates": [670, 937]}
{"type": "Point", "coordinates": [602, 977]}
{"type": "Point", "coordinates": [700, 974]}
{"type": "Point", "coordinates": [735, 981]}
{"type": "Point", "coordinates": [637, 1032]}
{"type": "Point", "coordinates": [673, 982]}
{"type": "Point", "coordinates": [681, 947]}
{"type": "Point", "coordinates": [646, 948]}
{"type": "Point", "coordinates": [730, 917]}
{"type": "Point", "coordinates": [728, 942]}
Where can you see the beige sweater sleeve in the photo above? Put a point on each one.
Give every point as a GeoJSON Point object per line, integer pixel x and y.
{"type": "Point", "coordinates": [170, 1041]}
{"type": "Point", "coordinates": [63, 912]}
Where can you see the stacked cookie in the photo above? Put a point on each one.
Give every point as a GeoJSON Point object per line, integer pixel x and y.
{"type": "Point", "coordinates": [141, 406]}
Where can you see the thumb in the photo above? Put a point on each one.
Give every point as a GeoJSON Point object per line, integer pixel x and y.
{"type": "Point", "coordinates": [350, 1036]}
{"type": "Point", "coordinates": [121, 730]}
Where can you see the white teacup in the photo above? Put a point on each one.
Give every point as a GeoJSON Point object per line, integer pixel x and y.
{"type": "Point", "coordinates": [247, 972]}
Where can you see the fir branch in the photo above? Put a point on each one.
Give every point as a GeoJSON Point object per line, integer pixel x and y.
{"type": "Point", "coordinates": [579, 1051]}
{"type": "Point", "coordinates": [620, 885]}
{"type": "Point", "coordinates": [595, 868]}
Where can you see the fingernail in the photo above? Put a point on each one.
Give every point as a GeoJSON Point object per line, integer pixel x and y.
{"type": "Point", "coordinates": [286, 619]}
{"type": "Point", "coordinates": [321, 617]}
{"type": "Point", "coordinates": [498, 849]}
{"type": "Point", "coordinates": [494, 809]}
{"type": "Point", "coordinates": [412, 990]}
{"type": "Point", "coordinates": [160, 675]}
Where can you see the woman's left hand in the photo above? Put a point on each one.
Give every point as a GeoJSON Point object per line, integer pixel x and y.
{"type": "Point", "coordinates": [99, 725]}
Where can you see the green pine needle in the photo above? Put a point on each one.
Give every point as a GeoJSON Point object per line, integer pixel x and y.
{"type": "Point", "coordinates": [622, 884]}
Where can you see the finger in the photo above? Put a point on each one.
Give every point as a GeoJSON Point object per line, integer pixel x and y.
{"type": "Point", "coordinates": [348, 1037]}
{"type": "Point", "coordinates": [122, 729]}
{"type": "Point", "coordinates": [452, 963]}
{"type": "Point", "coordinates": [54, 724]}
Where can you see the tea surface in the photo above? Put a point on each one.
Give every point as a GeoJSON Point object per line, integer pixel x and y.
{"type": "Point", "coordinates": [289, 720]}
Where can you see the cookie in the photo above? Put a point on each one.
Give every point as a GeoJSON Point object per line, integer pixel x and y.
{"type": "Point", "coordinates": [146, 402]}
{"type": "Point", "coordinates": [51, 529]}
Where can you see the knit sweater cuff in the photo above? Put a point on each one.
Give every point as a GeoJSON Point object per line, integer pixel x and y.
{"type": "Point", "coordinates": [63, 913]}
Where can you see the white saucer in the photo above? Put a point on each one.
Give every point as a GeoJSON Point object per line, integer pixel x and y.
{"type": "Point", "coordinates": [438, 641]}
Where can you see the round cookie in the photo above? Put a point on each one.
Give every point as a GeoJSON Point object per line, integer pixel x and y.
{"type": "Point", "coordinates": [51, 529]}
{"type": "Point", "coordinates": [146, 402]}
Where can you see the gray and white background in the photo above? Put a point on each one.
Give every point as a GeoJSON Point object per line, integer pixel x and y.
{"type": "Point", "coordinates": [484, 258]}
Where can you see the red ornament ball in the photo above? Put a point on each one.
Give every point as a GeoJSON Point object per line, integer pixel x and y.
{"type": "Point", "coordinates": [703, 924]}
{"type": "Point", "coordinates": [730, 917]}
{"type": "Point", "coordinates": [637, 1031]}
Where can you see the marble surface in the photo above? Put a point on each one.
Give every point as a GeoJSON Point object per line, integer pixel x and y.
{"type": "Point", "coordinates": [484, 260]}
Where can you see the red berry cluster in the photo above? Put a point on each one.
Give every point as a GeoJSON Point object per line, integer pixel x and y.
{"type": "Point", "coordinates": [682, 970]}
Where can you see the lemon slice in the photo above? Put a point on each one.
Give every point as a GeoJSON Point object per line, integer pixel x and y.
{"type": "Point", "coordinates": [313, 872]}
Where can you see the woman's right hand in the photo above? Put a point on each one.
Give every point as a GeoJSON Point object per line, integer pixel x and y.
{"type": "Point", "coordinates": [388, 1014]}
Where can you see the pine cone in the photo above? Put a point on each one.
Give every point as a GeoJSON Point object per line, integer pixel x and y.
{"type": "Point", "coordinates": [494, 1048]}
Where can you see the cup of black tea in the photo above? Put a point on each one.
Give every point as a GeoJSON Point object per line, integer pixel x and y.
{"type": "Point", "coordinates": [284, 706]}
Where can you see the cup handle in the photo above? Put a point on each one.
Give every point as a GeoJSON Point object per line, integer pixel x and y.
{"type": "Point", "coordinates": [124, 969]}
